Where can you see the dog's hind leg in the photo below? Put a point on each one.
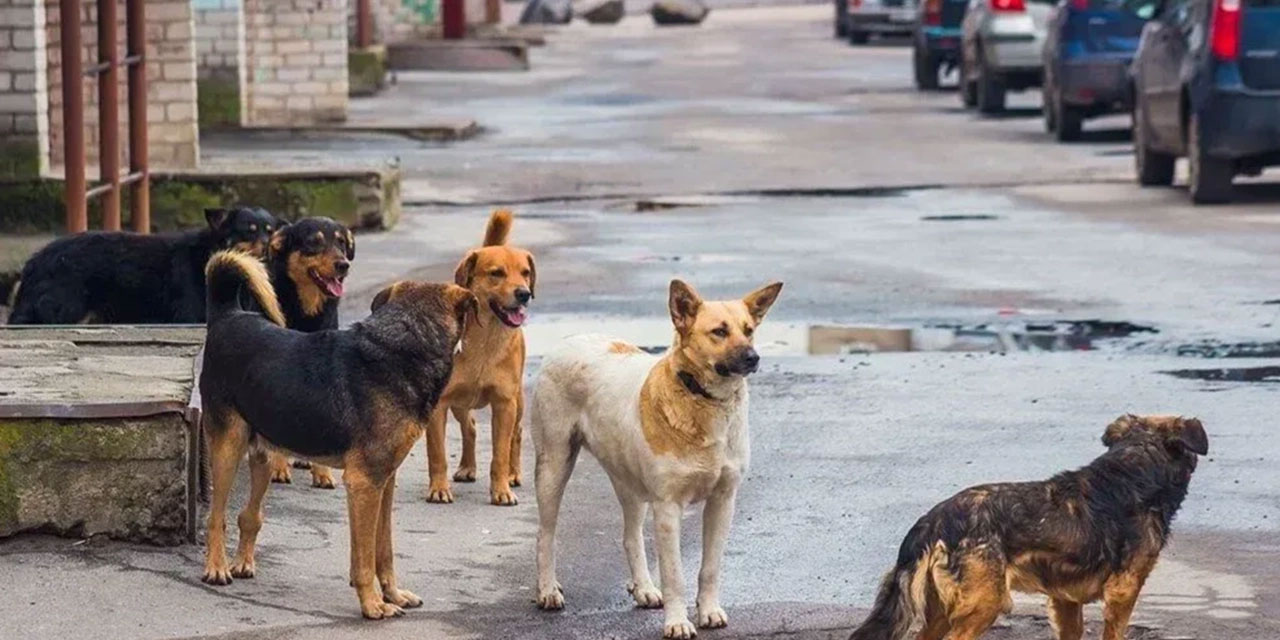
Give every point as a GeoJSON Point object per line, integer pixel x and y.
{"type": "Point", "coordinates": [555, 461]}
{"type": "Point", "coordinates": [250, 519]}
{"type": "Point", "coordinates": [467, 425]}
{"type": "Point", "coordinates": [364, 506]}
{"type": "Point", "coordinates": [935, 625]}
{"type": "Point", "coordinates": [1119, 595]}
{"type": "Point", "coordinates": [517, 437]}
{"type": "Point", "coordinates": [1066, 618]}
{"type": "Point", "coordinates": [385, 561]}
{"type": "Point", "coordinates": [228, 437]}
{"type": "Point", "coordinates": [979, 597]}
{"type": "Point", "coordinates": [641, 587]}
{"type": "Point", "coordinates": [278, 465]}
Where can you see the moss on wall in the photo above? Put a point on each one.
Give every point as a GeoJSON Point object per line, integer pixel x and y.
{"type": "Point", "coordinates": [218, 102]}
{"type": "Point", "coordinates": [367, 70]}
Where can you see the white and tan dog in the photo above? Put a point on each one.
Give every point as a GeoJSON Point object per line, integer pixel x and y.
{"type": "Point", "coordinates": [669, 432]}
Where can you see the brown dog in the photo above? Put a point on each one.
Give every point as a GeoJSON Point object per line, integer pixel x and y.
{"type": "Point", "coordinates": [1080, 536]}
{"type": "Point", "coordinates": [489, 371]}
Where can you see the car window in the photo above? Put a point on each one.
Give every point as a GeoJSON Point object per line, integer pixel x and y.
{"type": "Point", "coordinates": [1144, 9]}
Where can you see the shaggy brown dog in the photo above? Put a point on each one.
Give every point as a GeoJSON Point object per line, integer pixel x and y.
{"type": "Point", "coordinates": [1080, 536]}
{"type": "Point", "coordinates": [490, 370]}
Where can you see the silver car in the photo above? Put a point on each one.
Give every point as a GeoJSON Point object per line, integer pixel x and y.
{"type": "Point", "coordinates": [859, 19]}
{"type": "Point", "coordinates": [1000, 50]}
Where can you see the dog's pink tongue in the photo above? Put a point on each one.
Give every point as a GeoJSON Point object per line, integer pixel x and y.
{"type": "Point", "coordinates": [334, 286]}
{"type": "Point", "coordinates": [516, 317]}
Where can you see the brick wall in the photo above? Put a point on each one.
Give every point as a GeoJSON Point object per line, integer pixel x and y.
{"type": "Point", "coordinates": [397, 20]}
{"type": "Point", "coordinates": [24, 101]}
{"type": "Point", "coordinates": [218, 38]}
{"type": "Point", "coordinates": [295, 60]}
{"type": "Point", "coordinates": [171, 87]}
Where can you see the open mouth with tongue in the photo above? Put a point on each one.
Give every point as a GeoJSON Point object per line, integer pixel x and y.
{"type": "Point", "coordinates": [511, 316]}
{"type": "Point", "coordinates": [331, 285]}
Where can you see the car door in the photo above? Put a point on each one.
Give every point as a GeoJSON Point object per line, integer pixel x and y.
{"type": "Point", "coordinates": [1164, 49]}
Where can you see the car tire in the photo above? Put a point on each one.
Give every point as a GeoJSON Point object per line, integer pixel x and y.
{"type": "Point", "coordinates": [926, 68]}
{"type": "Point", "coordinates": [968, 89]}
{"type": "Point", "coordinates": [859, 37]}
{"type": "Point", "coordinates": [1154, 168]}
{"type": "Point", "coordinates": [991, 89]}
{"type": "Point", "coordinates": [1050, 115]}
{"type": "Point", "coordinates": [1069, 120]}
{"type": "Point", "coordinates": [1210, 179]}
{"type": "Point", "coordinates": [842, 13]}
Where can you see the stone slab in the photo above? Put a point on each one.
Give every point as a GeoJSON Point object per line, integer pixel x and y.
{"type": "Point", "coordinates": [500, 54]}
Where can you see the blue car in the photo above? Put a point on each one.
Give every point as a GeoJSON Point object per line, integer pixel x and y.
{"type": "Point", "coordinates": [1087, 52]}
{"type": "Point", "coordinates": [1207, 86]}
{"type": "Point", "coordinates": [936, 44]}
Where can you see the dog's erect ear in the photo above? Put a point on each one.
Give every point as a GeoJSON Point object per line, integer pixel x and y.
{"type": "Point", "coordinates": [683, 303]}
{"type": "Point", "coordinates": [216, 217]}
{"type": "Point", "coordinates": [466, 269]}
{"type": "Point", "coordinates": [351, 245]}
{"type": "Point", "coordinates": [759, 301]}
{"type": "Point", "coordinates": [1118, 429]}
{"type": "Point", "coordinates": [384, 297]}
{"type": "Point", "coordinates": [533, 275]}
{"type": "Point", "coordinates": [1192, 436]}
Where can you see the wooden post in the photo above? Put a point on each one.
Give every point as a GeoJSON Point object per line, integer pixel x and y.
{"type": "Point", "coordinates": [73, 116]}
{"type": "Point", "coordinates": [109, 114]}
{"type": "Point", "coordinates": [140, 189]}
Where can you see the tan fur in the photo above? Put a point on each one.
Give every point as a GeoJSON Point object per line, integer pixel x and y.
{"type": "Point", "coordinates": [488, 371]}
{"type": "Point", "coordinates": [13, 293]}
{"type": "Point", "coordinates": [674, 421]}
{"type": "Point", "coordinates": [623, 347]}
{"type": "Point", "coordinates": [310, 297]}
{"type": "Point", "coordinates": [259, 282]}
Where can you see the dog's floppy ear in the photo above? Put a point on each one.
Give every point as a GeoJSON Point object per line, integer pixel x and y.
{"type": "Point", "coordinates": [351, 245]}
{"type": "Point", "coordinates": [759, 301]}
{"type": "Point", "coordinates": [683, 303]}
{"type": "Point", "coordinates": [384, 297]}
{"type": "Point", "coordinates": [279, 240]}
{"type": "Point", "coordinates": [1119, 428]}
{"type": "Point", "coordinates": [466, 269]}
{"type": "Point", "coordinates": [216, 217]}
{"type": "Point", "coordinates": [1192, 436]}
{"type": "Point", "coordinates": [464, 302]}
{"type": "Point", "coordinates": [533, 275]}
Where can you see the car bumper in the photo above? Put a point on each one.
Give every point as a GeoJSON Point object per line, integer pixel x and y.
{"type": "Point", "coordinates": [885, 20]}
{"type": "Point", "coordinates": [942, 41]}
{"type": "Point", "coordinates": [1012, 43]}
{"type": "Point", "coordinates": [1095, 82]}
{"type": "Point", "coordinates": [1240, 124]}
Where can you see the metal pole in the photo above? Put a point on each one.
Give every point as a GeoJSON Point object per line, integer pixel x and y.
{"type": "Point", "coordinates": [140, 191]}
{"type": "Point", "coordinates": [364, 24]}
{"type": "Point", "coordinates": [73, 116]}
{"type": "Point", "coordinates": [109, 114]}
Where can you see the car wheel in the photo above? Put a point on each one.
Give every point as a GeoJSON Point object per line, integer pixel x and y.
{"type": "Point", "coordinates": [1155, 169]}
{"type": "Point", "coordinates": [926, 68]}
{"type": "Point", "coordinates": [859, 37]}
{"type": "Point", "coordinates": [968, 90]}
{"type": "Point", "coordinates": [1210, 177]}
{"type": "Point", "coordinates": [991, 90]}
{"type": "Point", "coordinates": [1069, 119]}
{"type": "Point", "coordinates": [1050, 116]}
{"type": "Point", "coordinates": [842, 11]}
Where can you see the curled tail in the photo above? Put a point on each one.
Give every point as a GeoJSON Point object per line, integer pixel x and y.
{"type": "Point", "coordinates": [230, 272]}
{"type": "Point", "coordinates": [899, 601]}
{"type": "Point", "coordinates": [499, 226]}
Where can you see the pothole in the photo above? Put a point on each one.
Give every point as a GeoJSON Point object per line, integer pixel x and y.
{"type": "Point", "coordinates": [1213, 349]}
{"type": "Point", "coordinates": [960, 217]}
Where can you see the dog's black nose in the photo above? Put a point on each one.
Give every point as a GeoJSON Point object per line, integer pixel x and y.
{"type": "Point", "coordinates": [750, 359]}
{"type": "Point", "coordinates": [523, 295]}
{"type": "Point", "coordinates": [341, 267]}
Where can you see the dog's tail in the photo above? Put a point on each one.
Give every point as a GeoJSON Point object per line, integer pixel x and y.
{"type": "Point", "coordinates": [499, 226]}
{"type": "Point", "coordinates": [230, 272]}
{"type": "Point", "coordinates": [902, 591]}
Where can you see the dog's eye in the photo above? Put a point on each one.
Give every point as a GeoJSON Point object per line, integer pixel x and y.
{"type": "Point", "coordinates": [720, 332]}
{"type": "Point", "coordinates": [267, 228]}
{"type": "Point", "coordinates": [747, 331]}
{"type": "Point", "coordinates": [253, 227]}
{"type": "Point", "coordinates": [525, 273]}
{"type": "Point", "coordinates": [498, 273]}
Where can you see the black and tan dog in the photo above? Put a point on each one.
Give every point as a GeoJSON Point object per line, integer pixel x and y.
{"type": "Point", "coordinates": [309, 261]}
{"type": "Point", "coordinates": [1080, 536]}
{"type": "Point", "coordinates": [355, 398]}
{"type": "Point", "coordinates": [126, 278]}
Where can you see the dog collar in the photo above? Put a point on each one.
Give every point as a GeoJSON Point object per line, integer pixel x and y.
{"type": "Point", "coordinates": [691, 383]}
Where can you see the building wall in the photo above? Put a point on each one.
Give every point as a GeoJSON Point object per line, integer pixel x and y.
{"type": "Point", "coordinates": [171, 84]}
{"type": "Point", "coordinates": [397, 20]}
{"type": "Point", "coordinates": [24, 99]}
{"type": "Point", "coordinates": [295, 62]}
{"type": "Point", "coordinates": [218, 38]}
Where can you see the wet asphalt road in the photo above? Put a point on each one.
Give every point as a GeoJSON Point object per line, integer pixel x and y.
{"type": "Point", "coordinates": [794, 135]}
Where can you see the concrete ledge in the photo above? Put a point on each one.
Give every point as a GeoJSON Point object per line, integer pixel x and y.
{"type": "Point", "coordinates": [444, 131]}
{"type": "Point", "coordinates": [501, 54]}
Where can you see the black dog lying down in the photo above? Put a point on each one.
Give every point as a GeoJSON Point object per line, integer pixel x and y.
{"type": "Point", "coordinates": [126, 278]}
{"type": "Point", "coordinates": [354, 398]}
{"type": "Point", "coordinates": [1080, 536]}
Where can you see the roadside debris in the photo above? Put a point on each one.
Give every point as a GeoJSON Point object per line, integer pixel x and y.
{"type": "Point", "coordinates": [547, 12]}
{"type": "Point", "coordinates": [1246, 374]}
{"type": "Point", "coordinates": [603, 11]}
{"type": "Point", "coordinates": [678, 12]}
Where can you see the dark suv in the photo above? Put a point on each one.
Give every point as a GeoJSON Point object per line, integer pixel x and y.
{"type": "Point", "coordinates": [936, 45]}
{"type": "Point", "coordinates": [1207, 86]}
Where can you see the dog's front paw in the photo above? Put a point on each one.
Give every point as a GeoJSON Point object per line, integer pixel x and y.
{"type": "Point", "coordinates": [515, 480]}
{"type": "Point", "coordinates": [322, 479]}
{"type": "Point", "coordinates": [551, 598]}
{"type": "Point", "coordinates": [280, 474]}
{"type": "Point", "coordinates": [502, 496]}
{"type": "Point", "coordinates": [679, 629]}
{"type": "Point", "coordinates": [401, 598]}
{"type": "Point", "coordinates": [380, 610]}
{"type": "Point", "coordinates": [646, 596]}
{"type": "Point", "coordinates": [440, 494]}
{"type": "Point", "coordinates": [301, 464]}
{"type": "Point", "coordinates": [243, 569]}
{"type": "Point", "coordinates": [712, 618]}
{"type": "Point", "coordinates": [216, 574]}
{"type": "Point", "coordinates": [465, 474]}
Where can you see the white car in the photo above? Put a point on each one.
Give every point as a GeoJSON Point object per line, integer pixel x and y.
{"type": "Point", "coordinates": [1000, 50]}
{"type": "Point", "coordinates": [857, 20]}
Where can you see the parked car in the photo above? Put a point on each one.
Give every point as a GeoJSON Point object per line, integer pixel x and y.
{"type": "Point", "coordinates": [858, 20]}
{"type": "Point", "coordinates": [1087, 52]}
{"type": "Point", "coordinates": [1000, 45]}
{"type": "Point", "coordinates": [936, 47]}
{"type": "Point", "coordinates": [1207, 86]}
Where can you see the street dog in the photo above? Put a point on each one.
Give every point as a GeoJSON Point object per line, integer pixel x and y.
{"type": "Point", "coordinates": [309, 261]}
{"type": "Point", "coordinates": [669, 432]}
{"type": "Point", "coordinates": [1095, 533]}
{"type": "Point", "coordinates": [127, 278]}
{"type": "Point", "coordinates": [352, 398]}
{"type": "Point", "coordinates": [490, 371]}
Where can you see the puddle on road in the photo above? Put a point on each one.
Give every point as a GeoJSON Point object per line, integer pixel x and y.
{"type": "Point", "coordinates": [802, 338]}
{"type": "Point", "coordinates": [960, 217]}
{"type": "Point", "coordinates": [1211, 349]}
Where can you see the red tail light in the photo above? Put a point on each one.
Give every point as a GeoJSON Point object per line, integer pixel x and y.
{"type": "Point", "coordinates": [933, 12]}
{"type": "Point", "coordinates": [1012, 6]}
{"type": "Point", "coordinates": [855, 3]}
{"type": "Point", "coordinates": [1080, 5]}
{"type": "Point", "coordinates": [1225, 30]}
